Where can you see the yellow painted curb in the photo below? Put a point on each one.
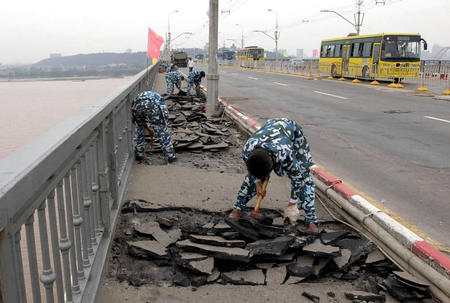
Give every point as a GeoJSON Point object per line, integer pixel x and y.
{"type": "Point", "coordinates": [396, 85]}
{"type": "Point", "coordinates": [375, 82]}
{"type": "Point", "coordinates": [301, 74]}
{"type": "Point", "coordinates": [356, 81]}
{"type": "Point", "coordinates": [341, 79]}
{"type": "Point", "coordinates": [422, 89]}
{"type": "Point", "coordinates": [412, 227]}
{"type": "Point", "coordinates": [318, 77]}
{"type": "Point", "coordinates": [330, 78]}
{"type": "Point", "coordinates": [446, 92]}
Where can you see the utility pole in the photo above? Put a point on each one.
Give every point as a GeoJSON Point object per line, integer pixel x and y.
{"type": "Point", "coordinates": [169, 36]}
{"type": "Point", "coordinates": [277, 34]}
{"type": "Point", "coordinates": [357, 16]}
{"type": "Point", "coordinates": [212, 76]}
{"type": "Point", "coordinates": [242, 35]}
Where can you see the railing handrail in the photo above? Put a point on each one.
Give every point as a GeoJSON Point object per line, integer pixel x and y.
{"type": "Point", "coordinates": [33, 164]}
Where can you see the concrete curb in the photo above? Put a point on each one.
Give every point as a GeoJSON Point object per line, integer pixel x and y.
{"type": "Point", "coordinates": [417, 245]}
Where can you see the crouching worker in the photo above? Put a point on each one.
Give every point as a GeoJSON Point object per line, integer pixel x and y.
{"type": "Point", "coordinates": [195, 78]}
{"type": "Point", "coordinates": [173, 78]}
{"type": "Point", "coordinates": [279, 145]}
{"type": "Point", "coordinates": [149, 112]}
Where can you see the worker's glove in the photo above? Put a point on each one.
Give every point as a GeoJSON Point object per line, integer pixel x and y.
{"type": "Point", "coordinates": [292, 213]}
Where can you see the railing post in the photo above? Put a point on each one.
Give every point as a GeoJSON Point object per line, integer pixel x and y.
{"type": "Point", "coordinates": [111, 159]}
{"type": "Point", "coordinates": [32, 261]}
{"type": "Point", "coordinates": [48, 276]}
{"type": "Point", "coordinates": [55, 241]}
{"type": "Point", "coordinates": [104, 196]}
{"type": "Point", "coordinates": [11, 290]}
{"type": "Point", "coordinates": [70, 211]}
{"type": "Point", "coordinates": [77, 193]}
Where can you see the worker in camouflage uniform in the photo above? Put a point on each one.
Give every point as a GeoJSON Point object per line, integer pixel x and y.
{"type": "Point", "coordinates": [195, 78]}
{"type": "Point", "coordinates": [173, 78]}
{"type": "Point", "coordinates": [150, 109]}
{"type": "Point", "coordinates": [279, 145]}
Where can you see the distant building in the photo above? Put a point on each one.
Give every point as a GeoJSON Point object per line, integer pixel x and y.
{"type": "Point", "coordinates": [299, 53]}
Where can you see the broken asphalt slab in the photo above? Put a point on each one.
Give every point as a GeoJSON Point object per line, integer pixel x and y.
{"type": "Point", "coordinates": [227, 253]}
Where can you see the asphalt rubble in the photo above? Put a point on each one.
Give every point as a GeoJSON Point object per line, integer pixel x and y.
{"type": "Point", "coordinates": [173, 246]}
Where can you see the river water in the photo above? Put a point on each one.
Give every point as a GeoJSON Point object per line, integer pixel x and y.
{"type": "Point", "coordinates": [29, 108]}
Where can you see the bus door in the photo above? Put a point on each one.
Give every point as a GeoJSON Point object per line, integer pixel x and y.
{"type": "Point", "coordinates": [345, 58]}
{"type": "Point", "coordinates": [376, 58]}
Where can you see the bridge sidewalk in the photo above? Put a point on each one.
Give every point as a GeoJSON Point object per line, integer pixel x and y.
{"type": "Point", "coordinates": [212, 189]}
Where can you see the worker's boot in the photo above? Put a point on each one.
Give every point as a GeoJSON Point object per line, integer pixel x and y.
{"type": "Point", "coordinates": [235, 214]}
{"type": "Point", "coordinates": [312, 228]}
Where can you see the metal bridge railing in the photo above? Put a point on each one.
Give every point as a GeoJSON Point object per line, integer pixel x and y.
{"type": "Point", "coordinates": [59, 201]}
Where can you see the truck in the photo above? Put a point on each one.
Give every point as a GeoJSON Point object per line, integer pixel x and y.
{"type": "Point", "coordinates": [180, 59]}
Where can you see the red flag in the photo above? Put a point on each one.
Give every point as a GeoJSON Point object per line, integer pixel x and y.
{"type": "Point", "coordinates": [154, 44]}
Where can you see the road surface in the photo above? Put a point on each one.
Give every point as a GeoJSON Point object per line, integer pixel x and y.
{"type": "Point", "coordinates": [390, 145]}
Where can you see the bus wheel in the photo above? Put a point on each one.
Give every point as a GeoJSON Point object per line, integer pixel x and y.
{"type": "Point", "coordinates": [333, 71]}
{"type": "Point", "coordinates": [366, 73]}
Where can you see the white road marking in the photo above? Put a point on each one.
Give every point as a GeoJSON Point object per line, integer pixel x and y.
{"type": "Point", "coordinates": [253, 78]}
{"type": "Point", "coordinates": [331, 95]}
{"type": "Point", "coordinates": [438, 119]}
{"type": "Point", "coordinates": [282, 84]}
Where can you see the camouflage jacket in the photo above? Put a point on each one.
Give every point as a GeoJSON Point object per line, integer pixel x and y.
{"type": "Point", "coordinates": [195, 77]}
{"type": "Point", "coordinates": [149, 107]}
{"type": "Point", "coordinates": [174, 77]}
{"type": "Point", "coordinates": [286, 143]}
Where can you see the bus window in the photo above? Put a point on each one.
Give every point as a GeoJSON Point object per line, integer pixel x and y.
{"type": "Point", "coordinates": [367, 49]}
{"type": "Point", "coordinates": [355, 49]}
{"type": "Point", "coordinates": [337, 51]}
{"type": "Point", "coordinates": [324, 51]}
{"type": "Point", "coordinates": [331, 50]}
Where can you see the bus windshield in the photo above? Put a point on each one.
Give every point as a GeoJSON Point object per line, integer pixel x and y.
{"type": "Point", "coordinates": [397, 48]}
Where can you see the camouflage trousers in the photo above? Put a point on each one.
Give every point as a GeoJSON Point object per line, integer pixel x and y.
{"type": "Point", "coordinates": [306, 201]}
{"type": "Point", "coordinates": [197, 89]}
{"type": "Point", "coordinates": [162, 132]}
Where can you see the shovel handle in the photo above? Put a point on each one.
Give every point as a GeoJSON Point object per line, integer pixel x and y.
{"type": "Point", "coordinates": [258, 204]}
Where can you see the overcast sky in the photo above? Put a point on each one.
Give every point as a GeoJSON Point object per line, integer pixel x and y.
{"type": "Point", "coordinates": [31, 30]}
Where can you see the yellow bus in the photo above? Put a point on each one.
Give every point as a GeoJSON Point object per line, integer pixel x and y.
{"type": "Point", "coordinates": [380, 56]}
{"type": "Point", "coordinates": [251, 53]}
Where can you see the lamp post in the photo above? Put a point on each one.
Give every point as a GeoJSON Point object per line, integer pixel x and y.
{"type": "Point", "coordinates": [242, 35]}
{"type": "Point", "coordinates": [168, 28]}
{"type": "Point", "coordinates": [277, 34]}
{"type": "Point", "coordinates": [212, 76]}
{"type": "Point", "coordinates": [359, 18]}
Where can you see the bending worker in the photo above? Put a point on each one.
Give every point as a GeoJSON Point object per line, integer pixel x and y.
{"type": "Point", "coordinates": [150, 108]}
{"type": "Point", "coordinates": [173, 78]}
{"type": "Point", "coordinates": [195, 78]}
{"type": "Point", "coordinates": [279, 145]}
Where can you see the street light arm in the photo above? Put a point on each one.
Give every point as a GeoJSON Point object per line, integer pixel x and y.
{"type": "Point", "coordinates": [263, 32]}
{"type": "Point", "coordinates": [329, 11]}
{"type": "Point", "coordinates": [185, 33]}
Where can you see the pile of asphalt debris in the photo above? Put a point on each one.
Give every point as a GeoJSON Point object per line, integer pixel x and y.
{"type": "Point", "coordinates": [191, 130]}
{"type": "Point", "coordinates": [175, 246]}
